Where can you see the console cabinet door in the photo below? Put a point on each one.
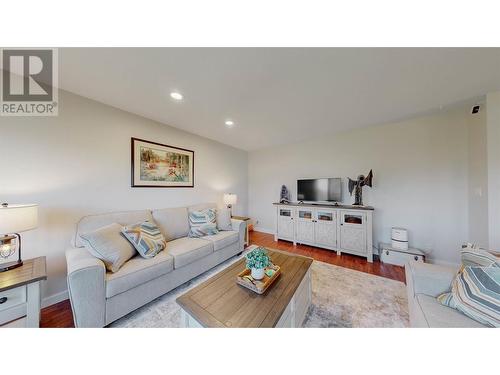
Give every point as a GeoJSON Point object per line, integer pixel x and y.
{"type": "Point", "coordinates": [285, 223]}
{"type": "Point", "coordinates": [325, 231]}
{"type": "Point", "coordinates": [305, 225]}
{"type": "Point", "coordinates": [353, 231]}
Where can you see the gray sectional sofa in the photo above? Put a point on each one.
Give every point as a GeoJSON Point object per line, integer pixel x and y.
{"type": "Point", "coordinates": [424, 282]}
{"type": "Point", "coordinates": [99, 297]}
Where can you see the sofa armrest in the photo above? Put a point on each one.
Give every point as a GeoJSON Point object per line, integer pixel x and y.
{"type": "Point", "coordinates": [429, 279]}
{"type": "Point", "coordinates": [86, 287]}
{"type": "Point", "coordinates": [241, 227]}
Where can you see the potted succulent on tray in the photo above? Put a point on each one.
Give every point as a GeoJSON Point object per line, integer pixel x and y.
{"type": "Point", "coordinates": [257, 260]}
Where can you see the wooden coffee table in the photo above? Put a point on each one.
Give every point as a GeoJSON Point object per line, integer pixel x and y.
{"type": "Point", "coordinates": [220, 302]}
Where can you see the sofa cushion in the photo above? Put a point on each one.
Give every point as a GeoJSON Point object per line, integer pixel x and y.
{"type": "Point", "coordinates": [146, 238]}
{"type": "Point", "coordinates": [187, 250]}
{"type": "Point", "coordinates": [173, 222]}
{"type": "Point", "coordinates": [93, 222]}
{"type": "Point", "coordinates": [222, 239]}
{"type": "Point", "coordinates": [137, 271]}
{"type": "Point", "coordinates": [109, 245]}
{"type": "Point", "coordinates": [438, 315]}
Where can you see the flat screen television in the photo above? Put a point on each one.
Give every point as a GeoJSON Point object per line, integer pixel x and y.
{"type": "Point", "coordinates": [319, 190]}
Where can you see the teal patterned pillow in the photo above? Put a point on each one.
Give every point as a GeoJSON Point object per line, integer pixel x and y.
{"type": "Point", "coordinates": [146, 238]}
{"type": "Point", "coordinates": [202, 223]}
{"type": "Point", "coordinates": [476, 293]}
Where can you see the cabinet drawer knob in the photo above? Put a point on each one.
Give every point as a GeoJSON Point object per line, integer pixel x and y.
{"type": "Point", "coordinates": [416, 257]}
{"type": "Point", "coordinates": [3, 300]}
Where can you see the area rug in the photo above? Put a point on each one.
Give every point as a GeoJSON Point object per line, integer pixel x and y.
{"type": "Point", "coordinates": [341, 297]}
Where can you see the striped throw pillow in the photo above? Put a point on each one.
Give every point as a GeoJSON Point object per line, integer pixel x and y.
{"type": "Point", "coordinates": [146, 238]}
{"type": "Point", "coordinates": [476, 293]}
{"type": "Point", "coordinates": [447, 299]}
{"type": "Point", "coordinates": [202, 223]}
{"type": "Point", "coordinates": [475, 257]}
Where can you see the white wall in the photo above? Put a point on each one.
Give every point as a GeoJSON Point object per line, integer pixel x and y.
{"type": "Point", "coordinates": [478, 179]}
{"type": "Point", "coordinates": [79, 163]}
{"type": "Point", "coordinates": [493, 136]}
{"type": "Point", "coordinates": [421, 177]}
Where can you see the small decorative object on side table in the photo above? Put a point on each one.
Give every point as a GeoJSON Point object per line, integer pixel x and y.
{"type": "Point", "coordinates": [247, 236]}
{"type": "Point", "coordinates": [20, 291]}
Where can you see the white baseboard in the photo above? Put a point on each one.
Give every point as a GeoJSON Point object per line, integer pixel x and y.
{"type": "Point", "coordinates": [264, 230]}
{"type": "Point", "coordinates": [55, 298]}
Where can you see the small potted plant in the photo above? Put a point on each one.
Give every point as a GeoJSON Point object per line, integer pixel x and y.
{"type": "Point", "coordinates": [257, 260]}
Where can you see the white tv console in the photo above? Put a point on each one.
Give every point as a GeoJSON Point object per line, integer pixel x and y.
{"type": "Point", "coordinates": [344, 229]}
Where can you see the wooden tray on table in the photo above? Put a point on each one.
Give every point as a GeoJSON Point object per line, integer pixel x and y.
{"type": "Point", "coordinates": [245, 279]}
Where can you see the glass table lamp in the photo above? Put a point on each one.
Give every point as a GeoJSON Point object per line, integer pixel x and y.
{"type": "Point", "coordinates": [15, 218]}
{"type": "Point", "coordinates": [229, 200]}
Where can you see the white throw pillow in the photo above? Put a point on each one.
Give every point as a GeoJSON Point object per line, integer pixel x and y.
{"type": "Point", "coordinates": [109, 245]}
{"type": "Point", "coordinates": [224, 219]}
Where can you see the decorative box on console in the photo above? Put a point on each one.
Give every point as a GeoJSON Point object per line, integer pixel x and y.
{"type": "Point", "coordinates": [400, 257]}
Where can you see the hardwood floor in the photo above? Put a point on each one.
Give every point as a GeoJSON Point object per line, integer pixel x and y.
{"type": "Point", "coordinates": [60, 315]}
{"type": "Point", "coordinates": [57, 316]}
{"type": "Point", "coordinates": [345, 260]}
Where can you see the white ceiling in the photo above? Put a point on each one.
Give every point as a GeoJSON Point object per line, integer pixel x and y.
{"type": "Point", "coordinates": [278, 95]}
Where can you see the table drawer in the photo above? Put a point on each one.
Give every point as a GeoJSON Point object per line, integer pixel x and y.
{"type": "Point", "coordinates": [12, 297]}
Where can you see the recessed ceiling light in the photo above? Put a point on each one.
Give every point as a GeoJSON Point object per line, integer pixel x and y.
{"type": "Point", "coordinates": [229, 123]}
{"type": "Point", "coordinates": [176, 95]}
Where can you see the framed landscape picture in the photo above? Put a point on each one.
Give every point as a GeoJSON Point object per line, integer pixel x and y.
{"type": "Point", "coordinates": [158, 165]}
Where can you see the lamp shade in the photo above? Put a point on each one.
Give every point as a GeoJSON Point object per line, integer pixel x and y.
{"type": "Point", "coordinates": [17, 218]}
{"type": "Point", "coordinates": [230, 198]}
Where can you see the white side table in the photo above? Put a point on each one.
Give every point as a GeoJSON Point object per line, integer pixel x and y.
{"type": "Point", "coordinates": [399, 257]}
{"type": "Point", "coordinates": [247, 235]}
{"type": "Point", "coordinates": [20, 292]}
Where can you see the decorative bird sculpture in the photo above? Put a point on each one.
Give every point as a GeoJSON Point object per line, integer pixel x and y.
{"type": "Point", "coordinates": [357, 186]}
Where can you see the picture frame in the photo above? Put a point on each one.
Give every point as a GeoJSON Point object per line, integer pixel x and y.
{"type": "Point", "coordinates": [159, 165]}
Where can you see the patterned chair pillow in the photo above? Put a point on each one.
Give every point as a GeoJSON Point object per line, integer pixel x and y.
{"type": "Point", "coordinates": [146, 238]}
{"type": "Point", "coordinates": [202, 223]}
{"type": "Point", "coordinates": [475, 257]}
{"type": "Point", "coordinates": [476, 293]}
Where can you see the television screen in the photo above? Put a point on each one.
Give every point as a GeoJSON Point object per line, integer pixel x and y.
{"type": "Point", "coordinates": [319, 190]}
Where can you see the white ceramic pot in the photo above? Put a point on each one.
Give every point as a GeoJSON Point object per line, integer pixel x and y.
{"type": "Point", "coordinates": [258, 273]}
